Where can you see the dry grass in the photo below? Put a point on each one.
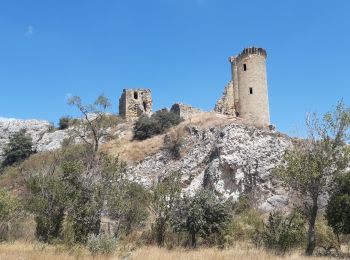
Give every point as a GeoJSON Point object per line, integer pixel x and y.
{"type": "Point", "coordinates": [210, 119]}
{"type": "Point", "coordinates": [132, 151]}
{"type": "Point", "coordinates": [37, 251]}
{"type": "Point", "coordinates": [155, 253]}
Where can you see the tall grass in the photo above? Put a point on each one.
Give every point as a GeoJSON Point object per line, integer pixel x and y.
{"type": "Point", "coordinates": [37, 251]}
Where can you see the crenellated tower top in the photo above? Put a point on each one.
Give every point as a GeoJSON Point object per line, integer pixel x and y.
{"type": "Point", "coordinates": [249, 51]}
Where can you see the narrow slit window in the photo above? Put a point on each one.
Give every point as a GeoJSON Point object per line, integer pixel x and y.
{"type": "Point", "coordinates": [244, 67]}
{"type": "Point", "coordinates": [136, 96]}
{"type": "Point", "coordinates": [250, 91]}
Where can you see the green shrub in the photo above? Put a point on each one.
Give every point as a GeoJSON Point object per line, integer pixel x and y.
{"type": "Point", "coordinates": [174, 142]}
{"type": "Point", "coordinates": [101, 244]}
{"type": "Point", "coordinates": [283, 233]}
{"type": "Point", "coordinates": [129, 205]}
{"type": "Point", "coordinates": [146, 127]}
{"type": "Point", "coordinates": [326, 240]}
{"type": "Point", "coordinates": [47, 202]}
{"type": "Point", "coordinates": [166, 119]}
{"type": "Point", "coordinates": [164, 197]}
{"type": "Point", "coordinates": [243, 204]}
{"type": "Point", "coordinates": [11, 215]}
{"type": "Point", "coordinates": [18, 149]}
{"type": "Point", "coordinates": [338, 208]}
{"type": "Point", "coordinates": [64, 122]}
{"type": "Point", "coordinates": [202, 215]}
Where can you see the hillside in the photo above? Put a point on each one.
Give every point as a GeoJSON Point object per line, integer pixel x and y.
{"type": "Point", "coordinates": [220, 152]}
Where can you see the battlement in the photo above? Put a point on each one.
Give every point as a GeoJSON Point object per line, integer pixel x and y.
{"type": "Point", "coordinates": [249, 51]}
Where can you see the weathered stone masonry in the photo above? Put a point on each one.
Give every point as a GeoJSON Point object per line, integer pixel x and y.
{"type": "Point", "coordinates": [246, 94]}
{"type": "Point", "coordinates": [135, 102]}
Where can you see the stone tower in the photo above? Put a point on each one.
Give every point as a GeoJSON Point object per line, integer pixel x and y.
{"type": "Point", "coordinates": [135, 102]}
{"type": "Point", "coordinates": [246, 94]}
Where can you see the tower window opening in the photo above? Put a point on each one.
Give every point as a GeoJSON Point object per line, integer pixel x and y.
{"type": "Point", "coordinates": [136, 96]}
{"type": "Point", "coordinates": [250, 91]}
{"type": "Point", "coordinates": [244, 67]}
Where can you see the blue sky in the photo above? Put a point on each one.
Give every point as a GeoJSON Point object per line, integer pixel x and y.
{"type": "Point", "coordinates": [178, 48]}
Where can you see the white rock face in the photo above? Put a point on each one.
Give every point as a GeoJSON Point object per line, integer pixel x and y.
{"type": "Point", "coordinates": [51, 141]}
{"type": "Point", "coordinates": [43, 139]}
{"type": "Point", "coordinates": [35, 128]}
{"type": "Point", "coordinates": [229, 159]}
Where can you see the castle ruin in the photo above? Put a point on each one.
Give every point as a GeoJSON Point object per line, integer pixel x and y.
{"type": "Point", "coordinates": [135, 102]}
{"type": "Point", "coordinates": [246, 94]}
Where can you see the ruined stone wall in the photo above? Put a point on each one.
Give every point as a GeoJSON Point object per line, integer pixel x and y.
{"type": "Point", "coordinates": [226, 104]}
{"type": "Point", "coordinates": [185, 111]}
{"type": "Point", "coordinates": [135, 102]}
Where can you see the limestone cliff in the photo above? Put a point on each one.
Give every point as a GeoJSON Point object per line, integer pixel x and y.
{"type": "Point", "coordinates": [228, 159]}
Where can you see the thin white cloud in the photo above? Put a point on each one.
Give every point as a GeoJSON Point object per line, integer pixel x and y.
{"type": "Point", "coordinates": [30, 30]}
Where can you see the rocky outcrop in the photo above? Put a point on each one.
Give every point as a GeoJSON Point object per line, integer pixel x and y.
{"type": "Point", "coordinates": [35, 128]}
{"type": "Point", "coordinates": [229, 159]}
{"type": "Point", "coordinates": [43, 135]}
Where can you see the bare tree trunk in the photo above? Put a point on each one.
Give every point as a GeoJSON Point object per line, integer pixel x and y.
{"type": "Point", "coordinates": [193, 240]}
{"type": "Point", "coordinates": [311, 239]}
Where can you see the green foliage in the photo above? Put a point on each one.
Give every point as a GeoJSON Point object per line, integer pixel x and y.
{"type": "Point", "coordinates": [327, 240]}
{"type": "Point", "coordinates": [283, 233]}
{"type": "Point", "coordinates": [128, 204]}
{"type": "Point", "coordinates": [338, 208]}
{"type": "Point", "coordinates": [164, 196]}
{"type": "Point", "coordinates": [101, 244]}
{"type": "Point", "coordinates": [18, 149]}
{"type": "Point", "coordinates": [11, 215]}
{"type": "Point", "coordinates": [166, 119]}
{"type": "Point", "coordinates": [146, 127]}
{"type": "Point", "coordinates": [314, 163]}
{"type": "Point", "coordinates": [92, 128]}
{"type": "Point", "coordinates": [201, 215]}
{"type": "Point", "coordinates": [243, 204]}
{"type": "Point", "coordinates": [244, 227]}
{"type": "Point", "coordinates": [47, 203]}
{"type": "Point", "coordinates": [71, 190]}
{"type": "Point", "coordinates": [174, 142]}
{"type": "Point", "coordinates": [64, 122]}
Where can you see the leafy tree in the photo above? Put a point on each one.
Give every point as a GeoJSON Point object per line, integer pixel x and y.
{"type": "Point", "coordinates": [11, 213]}
{"type": "Point", "coordinates": [92, 128]}
{"type": "Point", "coordinates": [18, 149]}
{"type": "Point", "coordinates": [71, 190]}
{"type": "Point", "coordinates": [338, 208]}
{"type": "Point", "coordinates": [283, 233]}
{"type": "Point", "coordinates": [203, 215]}
{"type": "Point", "coordinates": [146, 127]}
{"type": "Point", "coordinates": [47, 203]}
{"type": "Point", "coordinates": [88, 189]}
{"type": "Point", "coordinates": [164, 196]}
{"type": "Point", "coordinates": [309, 168]}
{"type": "Point", "coordinates": [128, 205]}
